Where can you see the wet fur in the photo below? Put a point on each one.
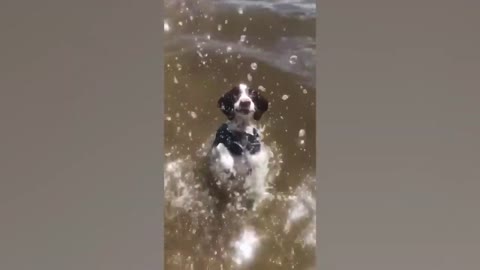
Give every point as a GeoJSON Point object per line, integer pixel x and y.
{"type": "Point", "coordinates": [246, 173]}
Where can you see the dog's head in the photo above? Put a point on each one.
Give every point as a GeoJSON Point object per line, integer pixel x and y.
{"type": "Point", "coordinates": [243, 102]}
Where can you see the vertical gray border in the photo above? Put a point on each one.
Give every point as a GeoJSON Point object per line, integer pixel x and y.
{"type": "Point", "coordinates": [317, 126]}
{"type": "Point", "coordinates": [397, 126]}
{"type": "Point", "coordinates": [162, 130]}
{"type": "Point", "coordinates": [81, 136]}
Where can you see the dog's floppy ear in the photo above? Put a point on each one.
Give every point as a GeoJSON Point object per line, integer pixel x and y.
{"type": "Point", "coordinates": [261, 104]}
{"type": "Point", "coordinates": [227, 101]}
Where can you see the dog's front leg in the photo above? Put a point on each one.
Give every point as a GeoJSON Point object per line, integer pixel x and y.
{"type": "Point", "coordinates": [224, 161]}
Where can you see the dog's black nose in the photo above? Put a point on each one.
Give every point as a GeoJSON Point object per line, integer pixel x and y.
{"type": "Point", "coordinates": [245, 104]}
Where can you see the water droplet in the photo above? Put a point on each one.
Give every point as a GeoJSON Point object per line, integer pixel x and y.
{"type": "Point", "coordinates": [261, 88]}
{"type": "Point", "coordinates": [208, 37]}
{"type": "Point", "coordinates": [229, 49]}
{"type": "Point", "coordinates": [301, 133]}
{"type": "Point", "coordinates": [293, 59]}
{"type": "Point", "coordinates": [168, 118]}
{"type": "Point", "coordinates": [191, 18]}
{"type": "Point", "coordinates": [219, 27]}
{"type": "Point", "coordinates": [242, 38]}
{"type": "Point", "coordinates": [245, 29]}
{"type": "Point", "coordinates": [305, 91]}
{"type": "Point", "coordinates": [179, 67]}
{"type": "Point", "coordinates": [240, 11]}
{"type": "Point", "coordinates": [254, 66]}
{"type": "Point", "coordinates": [175, 80]}
{"type": "Point", "coordinates": [180, 23]}
{"type": "Point", "coordinates": [284, 97]}
{"type": "Point", "coordinates": [226, 21]}
{"type": "Point", "coordinates": [249, 77]}
{"type": "Point", "coordinates": [166, 26]}
{"type": "Point", "coordinates": [193, 115]}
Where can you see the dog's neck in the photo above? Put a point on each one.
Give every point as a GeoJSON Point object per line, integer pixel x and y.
{"type": "Point", "coordinates": [242, 125]}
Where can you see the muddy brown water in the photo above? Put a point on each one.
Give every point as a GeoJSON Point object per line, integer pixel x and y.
{"type": "Point", "coordinates": [210, 50]}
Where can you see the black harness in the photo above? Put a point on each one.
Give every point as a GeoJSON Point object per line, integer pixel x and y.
{"type": "Point", "coordinates": [237, 142]}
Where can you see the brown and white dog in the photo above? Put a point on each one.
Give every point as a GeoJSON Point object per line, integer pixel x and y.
{"type": "Point", "coordinates": [238, 158]}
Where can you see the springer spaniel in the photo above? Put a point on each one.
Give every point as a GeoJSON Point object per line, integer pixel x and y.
{"type": "Point", "coordinates": [238, 158]}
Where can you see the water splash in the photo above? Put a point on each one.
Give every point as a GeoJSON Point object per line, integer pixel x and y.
{"type": "Point", "coordinates": [166, 26]}
{"type": "Point", "coordinates": [245, 246]}
{"type": "Point", "coordinates": [293, 59]}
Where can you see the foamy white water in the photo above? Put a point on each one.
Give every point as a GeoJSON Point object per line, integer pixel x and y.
{"type": "Point", "coordinates": [183, 188]}
{"type": "Point", "coordinates": [302, 207]}
{"type": "Point", "coordinates": [245, 246]}
{"type": "Point", "coordinates": [185, 195]}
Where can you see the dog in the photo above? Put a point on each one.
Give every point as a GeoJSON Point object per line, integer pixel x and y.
{"type": "Point", "coordinates": [238, 157]}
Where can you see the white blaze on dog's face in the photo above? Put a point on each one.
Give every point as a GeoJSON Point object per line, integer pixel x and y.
{"type": "Point", "coordinates": [244, 106]}
{"type": "Point", "coordinates": [243, 103]}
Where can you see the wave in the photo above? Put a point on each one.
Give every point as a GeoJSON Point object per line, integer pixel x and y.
{"type": "Point", "coordinates": [303, 9]}
{"type": "Point", "coordinates": [293, 8]}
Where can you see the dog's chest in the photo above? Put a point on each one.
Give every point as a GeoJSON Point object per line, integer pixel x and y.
{"type": "Point", "coordinates": [239, 144]}
{"type": "Point", "coordinates": [243, 164]}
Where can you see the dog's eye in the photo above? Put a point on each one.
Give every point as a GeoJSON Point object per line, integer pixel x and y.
{"type": "Point", "coordinates": [253, 94]}
{"type": "Point", "coordinates": [235, 92]}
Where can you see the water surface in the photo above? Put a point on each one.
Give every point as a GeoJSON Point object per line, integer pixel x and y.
{"type": "Point", "coordinates": [210, 46]}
